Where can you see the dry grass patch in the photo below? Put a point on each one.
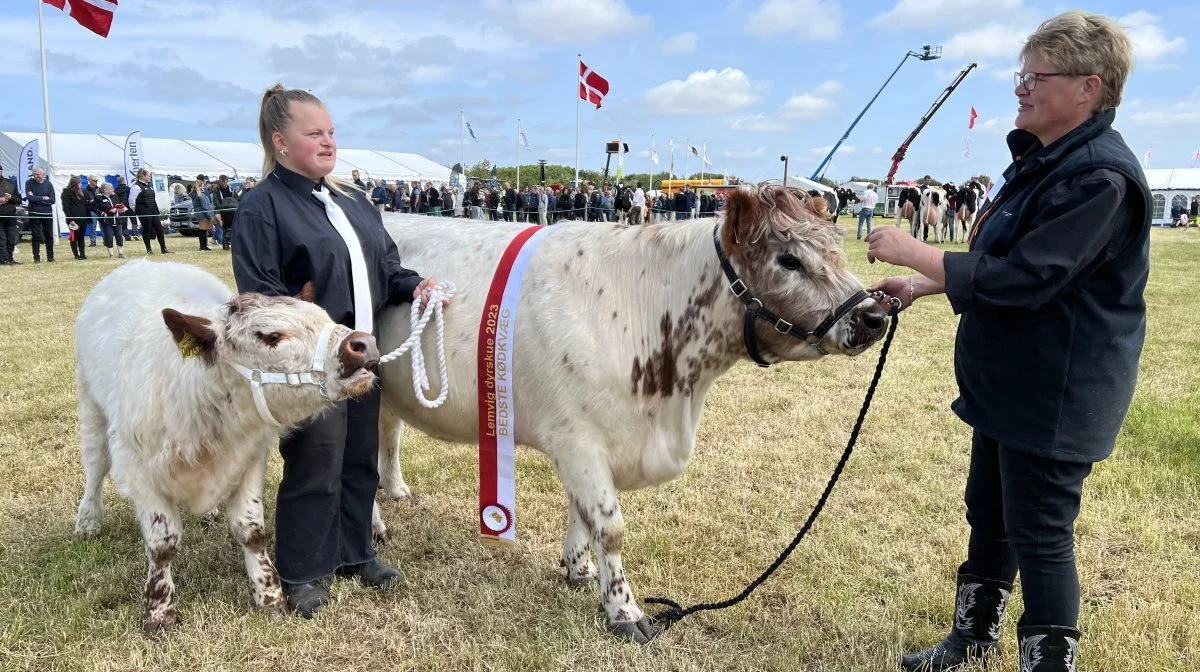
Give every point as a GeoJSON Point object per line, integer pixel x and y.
{"type": "Point", "coordinates": [874, 577]}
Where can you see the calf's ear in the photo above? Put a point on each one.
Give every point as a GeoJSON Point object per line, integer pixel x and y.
{"type": "Point", "coordinates": [193, 334]}
{"type": "Point", "coordinates": [308, 292]}
{"type": "Point", "coordinates": [741, 212]}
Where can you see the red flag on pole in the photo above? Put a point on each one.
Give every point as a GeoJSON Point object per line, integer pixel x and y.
{"type": "Point", "coordinates": [95, 15]}
{"type": "Point", "coordinates": [592, 87]}
{"type": "Point", "coordinates": [971, 123]}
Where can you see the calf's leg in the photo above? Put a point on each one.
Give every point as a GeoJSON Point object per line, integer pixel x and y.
{"type": "Point", "coordinates": [577, 554]}
{"type": "Point", "coordinates": [245, 511]}
{"type": "Point", "coordinates": [94, 454]}
{"type": "Point", "coordinates": [391, 479]}
{"type": "Point", "coordinates": [588, 482]}
{"type": "Point", "coordinates": [161, 531]}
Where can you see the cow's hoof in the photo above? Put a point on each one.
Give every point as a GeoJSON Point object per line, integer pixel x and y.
{"type": "Point", "coordinates": [158, 626]}
{"type": "Point", "coordinates": [640, 632]}
{"type": "Point", "coordinates": [380, 535]}
{"type": "Point", "coordinates": [397, 493]}
{"type": "Point", "coordinates": [87, 530]}
{"type": "Point", "coordinates": [583, 582]}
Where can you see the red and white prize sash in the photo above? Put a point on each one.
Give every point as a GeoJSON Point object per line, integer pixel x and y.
{"type": "Point", "coordinates": [497, 412]}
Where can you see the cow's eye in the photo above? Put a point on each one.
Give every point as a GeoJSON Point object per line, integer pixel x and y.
{"type": "Point", "coordinates": [270, 340]}
{"type": "Point", "coordinates": [790, 262]}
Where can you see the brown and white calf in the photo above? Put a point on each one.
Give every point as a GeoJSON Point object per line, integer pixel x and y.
{"type": "Point", "coordinates": [162, 355]}
{"type": "Point", "coordinates": [621, 331]}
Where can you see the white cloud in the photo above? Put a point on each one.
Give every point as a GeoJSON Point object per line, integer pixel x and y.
{"type": "Point", "coordinates": [995, 41]}
{"type": "Point", "coordinates": [745, 153]}
{"type": "Point", "coordinates": [807, 105]}
{"type": "Point", "coordinates": [877, 150]}
{"type": "Point", "coordinates": [704, 92]}
{"type": "Point", "coordinates": [923, 13]}
{"type": "Point", "coordinates": [683, 43]}
{"type": "Point", "coordinates": [1150, 42]}
{"type": "Point", "coordinates": [811, 20]}
{"type": "Point", "coordinates": [1182, 114]}
{"type": "Point", "coordinates": [760, 123]}
{"type": "Point", "coordinates": [811, 105]}
{"type": "Point", "coordinates": [566, 21]}
{"type": "Point", "coordinates": [994, 125]}
{"type": "Point", "coordinates": [820, 152]}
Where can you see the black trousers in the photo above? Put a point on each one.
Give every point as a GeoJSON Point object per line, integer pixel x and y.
{"type": "Point", "coordinates": [42, 228]}
{"type": "Point", "coordinates": [330, 474]}
{"type": "Point", "coordinates": [1022, 510]}
{"type": "Point", "coordinates": [113, 232]}
{"type": "Point", "coordinates": [10, 235]}
{"type": "Point", "coordinates": [79, 239]}
{"type": "Point", "coordinates": [152, 228]}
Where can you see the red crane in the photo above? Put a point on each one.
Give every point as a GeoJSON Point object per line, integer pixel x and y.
{"type": "Point", "coordinates": [899, 155]}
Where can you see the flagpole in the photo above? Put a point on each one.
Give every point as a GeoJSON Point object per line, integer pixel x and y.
{"type": "Point", "coordinates": [45, 104]}
{"type": "Point", "coordinates": [518, 154]}
{"type": "Point", "coordinates": [462, 135]}
{"type": "Point", "coordinates": [577, 99]}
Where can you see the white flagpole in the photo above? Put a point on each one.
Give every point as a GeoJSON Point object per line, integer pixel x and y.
{"type": "Point", "coordinates": [45, 105]}
{"type": "Point", "coordinates": [577, 99]}
{"type": "Point", "coordinates": [462, 134]}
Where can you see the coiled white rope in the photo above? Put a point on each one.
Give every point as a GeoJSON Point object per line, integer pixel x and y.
{"type": "Point", "coordinates": [420, 377]}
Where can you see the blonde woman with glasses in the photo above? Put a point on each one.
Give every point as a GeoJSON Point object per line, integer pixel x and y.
{"type": "Point", "coordinates": [1050, 296]}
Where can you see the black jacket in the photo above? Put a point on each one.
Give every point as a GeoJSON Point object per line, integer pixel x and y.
{"type": "Point", "coordinates": [9, 209]}
{"type": "Point", "coordinates": [1051, 296]}
{"type": "Point", "coordinates": [284, 239]}
{"type": "Point", "coordinates": [75, 205]}
{"type": "Point", "coordinates": [145, 205]}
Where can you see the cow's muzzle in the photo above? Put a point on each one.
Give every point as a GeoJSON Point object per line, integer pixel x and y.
{"type": "Point", "coordinates": [357, 352]}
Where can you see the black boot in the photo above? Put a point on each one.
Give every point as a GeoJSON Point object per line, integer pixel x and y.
{"type": "Point", "coordinates": [373, 573]}
{"type": "Point", "coordinates": [1047, 648]}
{"type": "Point", "coordinates": [978, 613]}
{"type": "Point", "coordinates": [306, 599]}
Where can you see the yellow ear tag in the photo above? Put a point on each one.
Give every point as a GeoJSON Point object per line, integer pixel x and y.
{"type": "Point", "coordinates": [190, 347]}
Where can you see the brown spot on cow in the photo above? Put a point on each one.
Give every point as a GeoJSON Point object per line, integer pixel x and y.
{"type": "Point", "coordinates": [256, 541]}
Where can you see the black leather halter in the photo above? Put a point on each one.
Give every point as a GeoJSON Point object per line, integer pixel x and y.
{"type": "Point", "coordinates": [755, 310]}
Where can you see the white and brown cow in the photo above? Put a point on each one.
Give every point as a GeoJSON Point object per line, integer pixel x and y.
{"type": "Point", "coordinates": [164, 407]}
{"type": "Point", "coordinates": [621, 332]}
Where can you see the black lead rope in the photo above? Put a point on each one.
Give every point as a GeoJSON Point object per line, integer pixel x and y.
{"type": "Point", "coordinates": [675, 612]}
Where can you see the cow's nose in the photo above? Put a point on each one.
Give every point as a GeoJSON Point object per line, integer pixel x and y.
{"type": "Point", "coordinates": [874, 320]}
{"type": "Point", "coordinates": [358, 351]}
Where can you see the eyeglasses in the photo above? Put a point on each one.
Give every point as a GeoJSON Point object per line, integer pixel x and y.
{"type": "Point", "coordinates": [1030, 79]}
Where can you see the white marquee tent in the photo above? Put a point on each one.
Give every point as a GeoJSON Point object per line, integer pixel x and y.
{"type": "Point", "coordinates": [104, 155]}
{"type": "Point", "coordinates": [1170, 187]}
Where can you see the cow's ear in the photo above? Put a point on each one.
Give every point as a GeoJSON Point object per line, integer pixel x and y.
{"type": "Point", "coordinates": [193, 334]}
{"type": "Point", "coordinates": [308, 292]}
{"type": "Point", "coordinates": [741, 212]}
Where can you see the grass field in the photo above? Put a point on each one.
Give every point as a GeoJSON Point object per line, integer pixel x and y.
{"type": "Point", "coordinates": [875, 576]}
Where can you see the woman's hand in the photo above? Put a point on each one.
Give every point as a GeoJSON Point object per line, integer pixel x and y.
{"type": "Point", "coordinates": [892, 245]}
{"type": "Point", "coordinates": [898, 287]}
{"type": "Point", "coordinates": [425, 290]}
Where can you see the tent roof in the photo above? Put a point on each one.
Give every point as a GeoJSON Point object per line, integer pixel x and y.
{"type": "Point", "coordinates": [1163, 179]}
{"type": "Point", "coordinates": [79, 153]}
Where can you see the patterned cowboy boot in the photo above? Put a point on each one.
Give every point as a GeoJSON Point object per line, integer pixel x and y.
{"type": "Point", "coordinates": [978, 612]}
{"type": "Point", "coordinates": [1047, 648]}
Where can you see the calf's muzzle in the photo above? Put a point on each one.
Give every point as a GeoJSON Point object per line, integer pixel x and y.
{"type": "Point", "coordinates": [358, 351]}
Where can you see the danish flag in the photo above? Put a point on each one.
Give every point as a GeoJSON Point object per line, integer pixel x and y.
{"type": "Point", "coordinates": [95, 15]}
{"type": "Point", "coordinates": [592, 87]}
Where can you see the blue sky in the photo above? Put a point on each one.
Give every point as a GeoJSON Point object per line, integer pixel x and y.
{"type": "Point", "coordinates": [753, 79]}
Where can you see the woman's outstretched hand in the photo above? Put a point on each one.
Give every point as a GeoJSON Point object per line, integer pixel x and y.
{"type": "Point", "coordinates": [892, 245]}
{"type": "Point", "coordinates": [896, 287]}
